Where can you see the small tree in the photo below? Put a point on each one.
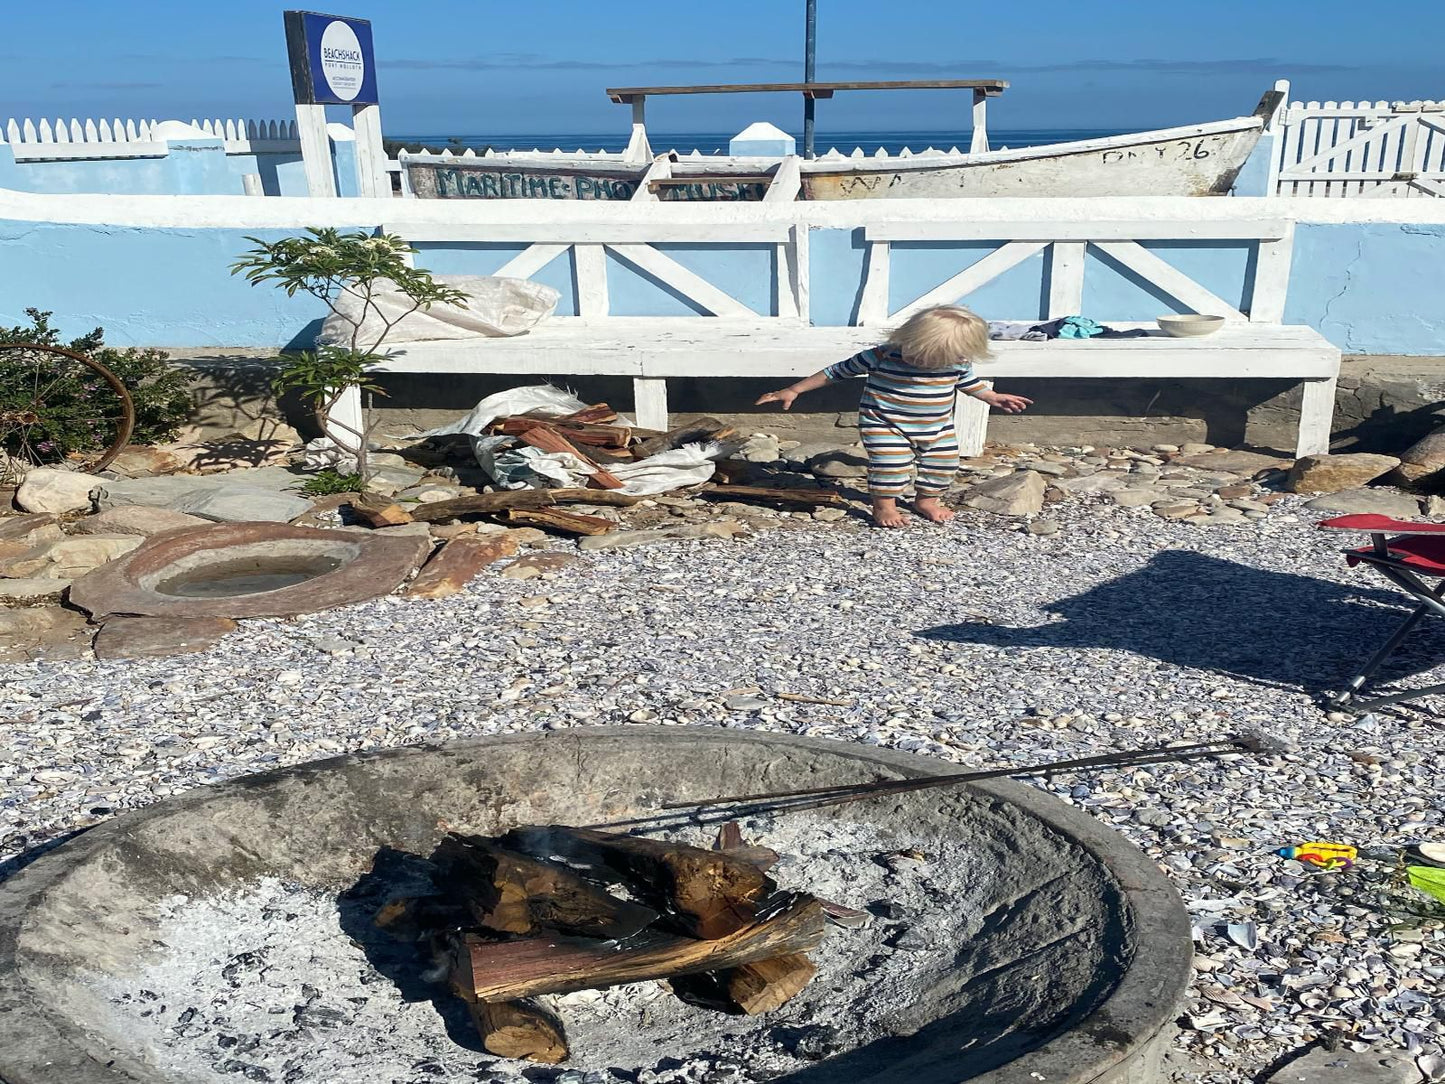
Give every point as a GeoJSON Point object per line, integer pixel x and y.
{"type": "Point", "coordinates": [331, 265]}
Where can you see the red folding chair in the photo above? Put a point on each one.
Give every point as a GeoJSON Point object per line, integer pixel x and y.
{"type": "Point", "coordinates": [1405, 554]}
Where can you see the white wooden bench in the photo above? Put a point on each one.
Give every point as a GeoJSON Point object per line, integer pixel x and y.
{"type": "Point", "coordinates": [737, 342]}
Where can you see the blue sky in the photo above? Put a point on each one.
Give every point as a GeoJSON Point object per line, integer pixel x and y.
{"type": "Point", "coordinates": [510, 66]}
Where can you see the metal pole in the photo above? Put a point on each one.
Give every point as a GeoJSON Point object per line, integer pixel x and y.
{"type": "Point", "coordinates": [810, 63]}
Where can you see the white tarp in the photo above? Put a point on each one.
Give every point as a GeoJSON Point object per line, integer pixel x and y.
{"type": "Point", "coordinates": [494, 307]}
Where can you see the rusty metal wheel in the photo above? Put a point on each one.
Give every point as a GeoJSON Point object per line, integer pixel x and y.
{"type": "Point", "coordinates": [59, 409]}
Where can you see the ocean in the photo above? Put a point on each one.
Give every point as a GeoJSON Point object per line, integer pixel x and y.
{"type": "Point", "coordinates": [717, 142]}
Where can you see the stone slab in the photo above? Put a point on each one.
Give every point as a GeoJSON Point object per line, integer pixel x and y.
{"type": "Point", "coordinates": [148, 637]}
{"type": "Point", "coordinates": [1346, 1067]}
{"type": "Point", "coordinates": [457, 562]}
{"type": "Point", "coordinates": [1380, 501]}
{"type": "Point", "coordinates": [136, 519]}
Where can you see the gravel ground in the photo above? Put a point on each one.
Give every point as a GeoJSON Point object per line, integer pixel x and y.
{"type": "Point", "coordinates": [975, 643]}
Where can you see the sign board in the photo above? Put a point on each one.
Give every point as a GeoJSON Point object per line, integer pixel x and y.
{"type": "Point", "coordinates": [332, 60]}
{"type": "Point", "coordinates": [482, 180]}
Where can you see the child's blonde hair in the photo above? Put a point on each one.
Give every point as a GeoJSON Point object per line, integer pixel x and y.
{"type": "Point", "coordinates": [942, 336]}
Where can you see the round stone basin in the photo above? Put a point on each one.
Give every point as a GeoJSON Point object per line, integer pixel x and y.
{"type": "Point", "coordinates": [240, 570]}
{"type": "Point", "coordinates": [1071, 970]}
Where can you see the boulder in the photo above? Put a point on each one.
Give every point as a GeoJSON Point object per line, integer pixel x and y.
{"type": "Point", "coordinates": [1017, 494]}
{"type": "Point", "coordinates": [1333, 473]}
{"type": "Point", "coordinates": [454, 565]}
{"type": "Point", "coordinates": [1422, 460]}
{"type": "Point", "coordinates": [68, 558]}
{"type": "Point", "coordinates": [140, 461]}
{"type": "Point", "coordinates": [29, 530]}
{"type": "Point", "coordinates": [48, 490]}
{"type": "Point", "coordinates": [136, 519]}
{"type": "Point", "coordinates": [683, 532]}
{"type": "Point", "coordinates": [1384, 502]}
{"type": "Point", "coordinates": [839, 465]}
{"type": "Point", "coordinates": [147, 637]}
{"type": "Point", "coordinates": [271, 431]}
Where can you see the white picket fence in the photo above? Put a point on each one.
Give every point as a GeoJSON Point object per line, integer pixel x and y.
{"type": "Point", "coordinates": [60, 140]}
{"type": "Point", "coordinates": [1369, 149]}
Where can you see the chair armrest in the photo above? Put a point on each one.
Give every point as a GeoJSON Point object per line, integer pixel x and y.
{"type": "Point", "coordinates": [1377, 524]}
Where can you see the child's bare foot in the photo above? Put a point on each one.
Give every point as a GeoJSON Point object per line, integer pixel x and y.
{"type": "Point", "coordinates": [886, 514]}
{"type": "Point", "coordinates": [931, 510]}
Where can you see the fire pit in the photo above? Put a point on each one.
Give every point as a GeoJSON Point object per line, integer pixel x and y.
{"type": "Point", "coordinates": [228, 934]}
{"type": "Point", "coordinates": [248, 570]}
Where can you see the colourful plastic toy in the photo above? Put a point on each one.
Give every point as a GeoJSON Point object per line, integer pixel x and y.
{"type": "Point", "coordinates": [1324, 855]}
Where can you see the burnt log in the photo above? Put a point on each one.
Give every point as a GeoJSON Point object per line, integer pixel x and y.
{"type": "Point", "coordinates": [518, 1029]}
{"type": "Point", "coordinates": [484, 970]}
{"type": "Point", "coordinates": [511, 893]}
{"type": "Point", "coordinates": [707, 894]}
{"type": "Point", "coordinates": [749, 989]}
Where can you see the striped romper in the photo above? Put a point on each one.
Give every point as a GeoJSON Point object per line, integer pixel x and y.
{"type": "Point", "coordinates": [906, 415]}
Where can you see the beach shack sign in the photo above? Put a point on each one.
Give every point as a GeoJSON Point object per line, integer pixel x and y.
{"type": "Point", "coordinates": [430, 178]}
{"type": "Point", "coordinates": [332, 59]}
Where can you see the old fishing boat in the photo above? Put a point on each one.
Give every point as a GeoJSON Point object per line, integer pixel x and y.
{"type": "Point", "coordinates": [1192, 160]}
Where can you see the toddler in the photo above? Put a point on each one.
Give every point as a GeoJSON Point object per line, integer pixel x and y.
{"type": "Point", "coordinates": [906, 414]}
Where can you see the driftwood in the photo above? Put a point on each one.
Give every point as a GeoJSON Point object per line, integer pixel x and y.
{"type": "Point", "coordinates": [613, 498]}
{"type": "Point", "coordinates": [707, 894]}
{"type": "Point", "coordinates": [565, 522]}
{"type": "Point", "coordinates": [697, 432]}
{"type": "Point", "coordinates": [506, 970]}
{"type": "Point", "coordinates": [518, 1029]}
{"type": "Point", "coordinates": [804, 495]}
{"type": "Point", "coordinates": [482, 504]}
{"type": "Point", "coordinates": [511, 893]}
{"type": "Point", "coordinates": [378, 511]}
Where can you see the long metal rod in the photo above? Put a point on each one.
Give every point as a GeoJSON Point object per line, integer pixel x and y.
{"type": "Point", "coordinates": [810, 64]}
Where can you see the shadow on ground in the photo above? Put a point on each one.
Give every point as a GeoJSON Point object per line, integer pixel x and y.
{"type": "Point", "coordinates": [1189, 609]}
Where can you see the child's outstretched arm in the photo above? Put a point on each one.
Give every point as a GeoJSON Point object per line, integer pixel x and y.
{"type": "Point", "coordinates": [792, 391]}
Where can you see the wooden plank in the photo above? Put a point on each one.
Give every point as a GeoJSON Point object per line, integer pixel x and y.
{"type": "Point", "coordinates": [372, 180]}
{"type": "Point", "coordinates": [529, 261]}
{"type": "Point", "coordinates": [873, 306]}
{"type": "Point", "coordinates": [1271, 279]}
{"type": "Point", "coordinates": [988, 86]}
{"type": "Point", "coordinates": [1066, 278]}
{"type": "Point", "coordinates": [1170, 279]}
{"type": "Point", "coordinates": [589, 269]}
{"type": "Point", "coordinates": [593, 232]}
{"type": "Point", "coordinates": [978, 140]}
{"type": "Point", "coordinates": [1249, 229]}
{"type": "Point", "coordinates": [972, 277]}
{"type": "Point", "coordinates": [685, 281]}
{"type": "Point", "coordinates": [660, 170]}
{"type": "Point", "coordinates": [1317, 412]}
{"type": "Point", "coordinates": [787, 182]}
{"type": "Point", "coordinates": [649, 403]}
{"type": "Point", "coordinates": [315, 150]}
{"type": "Point", "coordinates": [970, 423]}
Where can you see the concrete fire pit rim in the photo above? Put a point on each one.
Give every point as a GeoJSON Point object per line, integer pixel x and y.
{"type": "Point", "coordinates": [121, 587]}
{"type": "Point", "coordinates": [1134, 1018]}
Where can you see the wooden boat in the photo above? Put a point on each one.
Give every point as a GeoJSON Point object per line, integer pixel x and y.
{"type": "Point", "coordinates": [1193, 160]}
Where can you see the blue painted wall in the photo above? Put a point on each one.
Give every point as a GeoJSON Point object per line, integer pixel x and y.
{"type": "Point", "coordinates": [281, 175]}
{"type": "Point", "coordinates": [1371, 289]}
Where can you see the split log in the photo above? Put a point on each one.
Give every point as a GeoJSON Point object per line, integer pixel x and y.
{"type": "Point", "coordinates": [589, 433]}
{"type": "Point", "coordinates": [753, 988]}
{"type": "Point", "coordinates": [547, 439]}
{"type": "Point", "coordinates": [482, 504]}
{"type": "Point", "coordinates": [375, 510]}
{"type": "Point", "coordinates": [453, 566]}
{"type": "Point", "coordinates": [761, 858]}
{"type": "Point", "coordinates": [709, 894]}
{"type": "Point", "coordinates": [804, 495]}
{"type": "Point", "coordinates": [518, 1029]}
{"type": "Point", "coordinates": [551, 519]}
{"type": "Point", "coordinates": [511, 893]}
{"type": "Point", "coordinates": [729, 836]}
{"type": "Point", "coordinates": [596, 414]}
{"type": "Point", "coordinates": [505, 970]}
{"type": "Point", "coordinates": [695, 432]}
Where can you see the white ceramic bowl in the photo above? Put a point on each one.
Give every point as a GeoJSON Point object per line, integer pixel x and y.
{"type": "Point", "coordinates": [1190, 325]}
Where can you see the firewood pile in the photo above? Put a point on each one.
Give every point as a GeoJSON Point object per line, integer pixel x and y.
{"type": "Point", "coordinates": [596, 438]}
{"type": "Point", "coordinates": [550, 909]}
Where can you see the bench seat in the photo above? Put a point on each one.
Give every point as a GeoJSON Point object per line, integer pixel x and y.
{"type": "Point", "coordinates": [652, 349]}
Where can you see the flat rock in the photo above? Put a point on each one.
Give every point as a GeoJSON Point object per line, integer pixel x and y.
{"type": "Point", "coordinates": [1103, 482]}
{"type": "Point", "coordinates": [534, 565]}
{"type": "Point", "coordinates": [454, 565]}
{"type": "Point", "coordinates": [1018, 494]}
{"type": "Point", "coordinates": [1346, 1067]}
{"type": "Point", "coordinates": [141, 460]}
{"type": "Point", "coordinates": [42, 632]}
{"type": "Point", "coordinates": [1138, 497]}
{"type": "Point", "coordinates": [69, 558]}
{"type": "Point", "coordinates": [1422, 459]}
{"type": "Point", "coordinates": [136, 519]}
{"type": "Point", "coordinates": [48, 490]}
{"type": "Point", "coordinates": [30, 530]}
{"type": "Point", "coordinates": [245, 496]}
{"type": "Point", "coordinates": [30, 590]}
{"type": "Point", "coordinates": [1333, 473]}
{"type": "Point", "coordinates": [148, 637]}
{"type": "Point", "coordinates": [839, 464]}
{"type": "Point", "coordinates": [1237, 461]}
{"type": "Point", "coordinates": [830, 515]}
{"type": "Point", "coordinates": [1385, 502]}
{"type": "Point", "coordinates": [683, 532]}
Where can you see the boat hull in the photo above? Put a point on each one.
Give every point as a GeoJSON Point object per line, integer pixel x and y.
{"type": "Point", "coordinates": [490, 178]}
{"type": "Point", "coordinates": [1173, 163]}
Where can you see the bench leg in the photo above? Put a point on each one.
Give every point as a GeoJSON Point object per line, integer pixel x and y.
{"type": "Point", "coordinates": [347, 411]}
{"type": "Point", "coordinates": [1317, 413]}
{"type": "Point", "coordinates": [649, 401]}
{"type": "Point", "coordinates": [970, 421]}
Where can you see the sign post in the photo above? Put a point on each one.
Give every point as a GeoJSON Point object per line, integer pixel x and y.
{"type": "Point", "coordinates": [333, 63]}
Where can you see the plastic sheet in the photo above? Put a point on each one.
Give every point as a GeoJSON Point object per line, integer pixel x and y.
{"type": "Point", "coordinates": [494, 307]}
